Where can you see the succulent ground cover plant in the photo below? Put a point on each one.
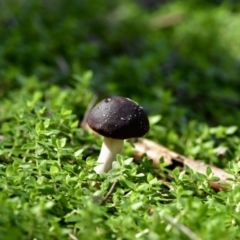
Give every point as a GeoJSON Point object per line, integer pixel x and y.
{"type": "Point", "coordinates": [49, 188]}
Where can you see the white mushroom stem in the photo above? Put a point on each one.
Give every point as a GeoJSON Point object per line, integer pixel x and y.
{"type": "Point", "coordinates": [110, 149]}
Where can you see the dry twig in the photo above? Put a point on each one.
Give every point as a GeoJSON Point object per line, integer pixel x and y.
{"type": "Point", "coordinates": [184, 229]}
{"type": "Point", "coordinates": [110, 191]}
{"type": "Point", "coordinates": [72, 237]}
{"type": "Point", "coordinates": [155, 151]}
{"type": "Point", "coordinates": [89, 107]}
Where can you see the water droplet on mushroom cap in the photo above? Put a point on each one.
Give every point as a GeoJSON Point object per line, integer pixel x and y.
{"type": "Point", "coordinates": [108, 100]}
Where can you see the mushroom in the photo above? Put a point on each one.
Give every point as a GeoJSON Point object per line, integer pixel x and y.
{"type": "Point", "coordinates": [116, 118]}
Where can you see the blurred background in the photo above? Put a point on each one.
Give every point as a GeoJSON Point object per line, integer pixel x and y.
{"type": "Point", "coordinates": [180, 59]}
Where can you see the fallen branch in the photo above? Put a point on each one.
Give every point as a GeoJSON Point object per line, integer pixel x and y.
{"type": "Point", "coordinates": [155, 151]}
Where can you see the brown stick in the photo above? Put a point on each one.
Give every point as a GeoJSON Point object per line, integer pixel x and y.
{"type": "Point", "coordinates": [155, 151]}
{"type": "Point", "coordinates": [109, 192]}
{"type": "Point", "coordinates": [89, 107]}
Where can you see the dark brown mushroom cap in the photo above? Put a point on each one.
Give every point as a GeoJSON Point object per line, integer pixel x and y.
{"type": "Point", "coordinates": [118, 118]}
